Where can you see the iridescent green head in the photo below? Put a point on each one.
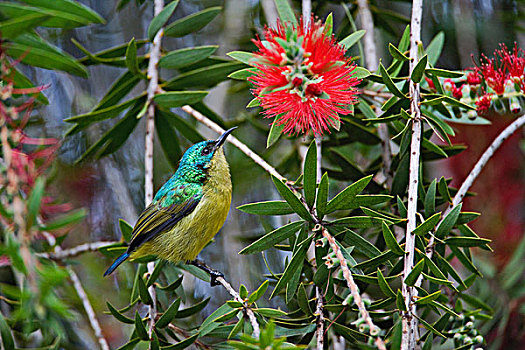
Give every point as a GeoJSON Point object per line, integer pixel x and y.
{"type": "Point", "coordinates": [197, 159]}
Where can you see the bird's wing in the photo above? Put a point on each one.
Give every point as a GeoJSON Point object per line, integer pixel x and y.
{"type": "Point", "coordinates": [163, 214]}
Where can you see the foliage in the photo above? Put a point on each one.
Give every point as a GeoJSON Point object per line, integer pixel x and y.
{"type": "Point", "coordinates": [335, 220]}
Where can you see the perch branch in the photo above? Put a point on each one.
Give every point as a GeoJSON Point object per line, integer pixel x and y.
{"type": "Point", "coordinates": [473, 175]}
{"type": "Point", "coordinates": [75, 251]}
{"type": "Point", "coordinates": [409, 321]}
{"type": "Point", "coordinates": [247, 310]}
{"type": "Point", "coordinates": [374, 330]}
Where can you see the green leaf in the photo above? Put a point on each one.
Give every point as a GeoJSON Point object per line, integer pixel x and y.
{"type": "Point", "coordinates": [156, 273]}
{"type": "Point", "coordinates": [430, 199]}
{"type": "Point", "coordinates": [343, 199]}
{"type": "Point", "coordinates": [258, 293]}
{"type": "Point", "coordinates": [68, 6]}
{"type": "Point", "coordinates": [400, 302]}
{"type": "Point", "coordinates": [444, 73]}
{"type": "Point", "coordinates": [244, 57]}
{"type": "Point", "coordinates": [192, 309]}
{"type": "Point", "coordinates": [187, 56]}
{"type": "Point", "coordinates": [209, 323]}
{"type": "Point", "coordinates": [272, 238]}
{"type": "Point", "coordinates": [475, 302]}
{"type": "Point", "coordinates": [367, 111]}
{"type": "Point", "coordinates": [168, 315]}
{"type": "Point", "coordinates": [448, 222]}
{"type": "Point", "coordinates": [267, 312]}
{"type": "Point", "coordinates": [169, 140]}
{"type": "Point", "coordinates": [428, 298]}
{"type": "Point", "coordinates": [443, 190]}
{"type": "Point", "coordinates": [267, 208]}
{"type": "Point", "coordinates": [352, 39]}
{"type": "Point", "coordinates": [360, 73]}
{"type": "Point", "coordinates": [183, 344]}
{"type": "Point", "coordinates": [360, 221]}
{"type": "Point", "coordinates": [192, 23]}
{"type": "Point", "coordinates": [290, 197]}
{"type": "Point", "coordinates": [391, 241]}
{"type": "Point", "coordinates": [204, 77]}
{"type": "Point", "coordinates": [329, 25]}
{"type": "Point", "coordinates": [285, 11]}
{"type": "Point", "coordinates": [427, 225]}
{"type": "Point", "coordinates": [7, 337]}
{"type": "Point", "coordinates": [387, 80]}
{"type": "Point", "coordinates": [467, 241]}
{"type": "Point", "coordinates": [419, 70]}
{"type": "Point", "coordinates": [255, 102]}
{"type": "Point", "coordinates": [383, 285]}
{"type": "Point", "coordinates": [465, 260]}
{"type": "Point", "coordinates": [414, 274]}
{"type": "Point", "coordinates": [435, 47]}
{"type": "Point", "coordinates": [244, 74]}
{"type": "Point", "coordinates": [295, 263]}
{"type": "Point", "coordinates": [322, 197]}
{"type": "Point", "coordinates": [237, 328]}
{"type": "Point", "coordinates": [118, 315]}
{"type": "Point", "coordinates": [34, 51]}
{"type": "Point", "coordinates": [179, 98]}
{"type": "Point", "coordinates": [120, 88]}
{"type": "Point", "coordinates": [436, 280]}
{"type": "Point", "coordinates": [429, 327]}
{"type": "Point", "coordinates": [275, 132]}
{"type": "Point", "coordinates": [34, 201]}
{"type": "Point", "coordinates": [361, 244]}
{"type": "Point", "coordinates": [70, 218]}
{"type": "Point", "coordinates": [310, 174]}
{"type": "Point", "coordinates": [131, 58]}
{"type": "Point", "coordinates": [56, 18]}
{"type": "Point", "coordinates": [433, 268]}
{"type": "Point", "coordinates": [145, 297]}
{"type": "Point", "coordinates": [160, 20]}
{"type": "Point", "coordinates": [172, 286]}
{"type": "Point", "coordinates": [396, 53]}
{"type": "Point", "coordinates": [15, 26]}
{"type": "Point", "coordinates": [101, 114]}
{"type": "Point", "coordinates": [140, 328]}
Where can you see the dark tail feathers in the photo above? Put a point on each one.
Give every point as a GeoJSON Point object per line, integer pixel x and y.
{"type": "Point", "coordinates": [116, 264]}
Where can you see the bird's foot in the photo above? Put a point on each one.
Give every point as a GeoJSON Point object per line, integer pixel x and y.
{"type": "Point", "coordinates": [214, 274]}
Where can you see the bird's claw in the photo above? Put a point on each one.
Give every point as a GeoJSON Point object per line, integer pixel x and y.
{"type": "Point", "coordinates": [213, 277]}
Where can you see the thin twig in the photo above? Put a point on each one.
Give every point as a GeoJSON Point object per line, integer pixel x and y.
{"type": "Point", "coordinates": [234, 141]}
{"type": "Point", "coordinates": [75, 251]}
{"type": "Point", "coordinates": [319, 309]}
{"type": "Point", "coordinates": [374, 330]}
{"type": "Point", "coordinates": [247, 309]}
{"type": "Point", "coordinates": [371, 59]}
{"type": "Point", "coordinates": [473, 175]}
{"type": "Point", "coordinates": [92, 318]}
{"type": "Point", "coordinates": [409, 321]}
{"type": "Point", "coordinates": [153, 85]}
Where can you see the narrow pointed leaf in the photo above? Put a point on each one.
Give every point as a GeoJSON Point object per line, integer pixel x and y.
{"type": "Point", "coordinates": [391, 240]}
{"type": "Point", "coordinates": [118, 315]}
{"type": "Point", "coordinates": [352, 39]}
{"type": "Point", "coordinates": [267, 208]}
{"type": "Point", "coordinates": [398, 55]}
{"type": "Point", "coordinates": [345, 197]}
{"type": "Point", "coordinates": [389, 83]}
{"type": "Point", "coordinates": [244, 57]}
{"type": "Point", "coordinates": [160, 20]}
{"type": "Point", "coordinates": [322, 197]}
{"type": "Point", "coordinates": [272, 238]}
{"type": "Point", "coordinates": [435, 47]}
{"type": "Point", "coordinates": [310, 174]}
{"type": "Point", "coordinates": [183, 344]}
{"type": "Point", "coordinates": [285, 11]}
{"type": "Point", "coordinates": [168, 315]}
{"type": "Point", "coordinates": [414, 274]}
{"type": "Point", "coordinates": [179, 98]}
{"type": "Point", "coordinates": [430, 199]}
{"type": "Point", "coordinates": [192, 23]}
{"type": "Point", "coordinates": [448, 222]}
{"type": "Point", "coordinates": [191, 310]}
{"type": "Point", "coordinates": [145, 297]}
{"type": "Point", "coordinates": [400, 302]}
{"type": "Point", "coordinates": [419, 70]}
{"type": "Point", "coordinates": [467, 241]}
{"type": "Point", "coordinates": [295, 263]}
{"type": "Point", "coordinates": [383, 284]}
{"type": "Point", "coordinates": [290, 197]}
{"type": "Point", "coordinates": [140, 328]}
{"type": "Point", "coordinates": [187, 56]}
{"type": "Point", "coordinates": [429, 298]}
{"type": "Point", "coordinates": [427, 225]}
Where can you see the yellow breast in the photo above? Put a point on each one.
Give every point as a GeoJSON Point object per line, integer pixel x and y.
{"type": "Point", "coordinates": [189, 236]}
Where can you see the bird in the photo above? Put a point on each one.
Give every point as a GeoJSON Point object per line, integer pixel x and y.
{"type": "Point", "coordinates": [187, 211]}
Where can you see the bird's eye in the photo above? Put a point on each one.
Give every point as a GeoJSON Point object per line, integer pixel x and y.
{"type": "Point", "coordinates": [206, 150]}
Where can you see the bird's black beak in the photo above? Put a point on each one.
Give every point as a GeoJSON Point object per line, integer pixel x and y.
{"type": "Point", "coordinates": [220, 141]}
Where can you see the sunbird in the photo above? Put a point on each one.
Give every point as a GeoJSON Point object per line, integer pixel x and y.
{"type": "Point", "coordinates": [187, 211]}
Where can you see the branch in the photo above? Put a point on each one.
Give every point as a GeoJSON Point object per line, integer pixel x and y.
{"type": "Point", "coordinates": [371, 59]}
{"type": "Point", "coordinates": [75, 251]}
{"type": "Point", "coordinates": [153, 86]}
{"type": "Point", "coordinates": [473, 175]}
{"type": "Point", "coordinates": [93, 321]}
{"type": "Point", "coordinates": [234, 141]}
{"type": "Point", "coordinates": [319, 311]}
{"type": "Point", "coordinates": [247, 310]}
{"type": "Point", "coordinates": [409, 321]}
{"type": "Point", "coordinates": [374, 330]}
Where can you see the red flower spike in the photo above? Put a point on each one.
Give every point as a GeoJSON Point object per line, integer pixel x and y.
{"type": "Point", "coordinates": [456, 92]}
{"type": "Point", "coordinates": [483, 104]}
{"type": "Point", "coordinates": [305, 80]}
{"type": "Point", "coordinates": [473, 78]}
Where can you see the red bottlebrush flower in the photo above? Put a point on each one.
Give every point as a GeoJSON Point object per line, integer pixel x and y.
{"type": "Point", "coordinates": [473, 78]}
{"type": "Point", "coordinates": [456, 92]}
{"type": "Point", "coordinates": [430, 83]}
{"type": "Point", "coordinates": [303, 78]}
{"type": "Point", "coordinates": [483, 104]}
